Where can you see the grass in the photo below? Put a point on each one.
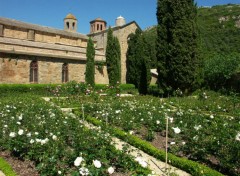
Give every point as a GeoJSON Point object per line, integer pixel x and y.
{"type": "Point", "coordinates": [6, 168]}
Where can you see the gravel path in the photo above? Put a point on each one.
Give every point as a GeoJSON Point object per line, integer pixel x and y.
{"type": "Point", "coordinates": [1, 173]}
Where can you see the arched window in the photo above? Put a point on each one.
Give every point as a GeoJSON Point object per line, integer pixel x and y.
{"type": "Point", "coordinates": [73, 26]}
{"type": "Point", "coordinates": [34, 72]}
{"type": "Point", "coordinates": [65, 72]}
{"type": "Point", "coordinates": [68, 25]}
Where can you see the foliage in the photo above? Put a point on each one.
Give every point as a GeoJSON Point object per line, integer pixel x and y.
{"type": "Point", "coordinates": [113, 58]}
{"type": "Point", "coordinates": [39, 89]}
{"type": "Point", "coordinates": [150, 41]}
{"type": "Point", "coordinates": [90, 66]}
{"type": "Point", "coordinates": [100, 65]}
{"type": "Point", "coordinates": [208, 121]}
{"type": "Point", "coordinates": [6, 168]}
{"type": "Point", "coordinates": [219, 68]}
{"type": "Point", "coordinates": [218, 34]}
{"type": "Point", "coordinates": [215, 35]}
{"type": "Point", "coordinates": [138, 69]}
{"type": "Point", "coordinates": [189, 166]}
{"type": "Point", "coordinates": [218, 31]}
{"type": "Point", "coordinates": [132, 63]}
{"type": "Point", "coordinates": [36, 130]}
{"type": "Point", "coordinates": [176, 44]}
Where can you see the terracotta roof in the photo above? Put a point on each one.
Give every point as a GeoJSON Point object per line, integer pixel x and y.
{"type": "Point", "coordinates": [70, 16]}
{"type": "Point", "coordinates": [98, 19]}
{"type": "Point", "coordinates": [115, 28]}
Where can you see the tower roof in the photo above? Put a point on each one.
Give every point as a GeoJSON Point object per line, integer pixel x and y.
{"type": "Point", "coordinates": [98, 19]}
{"type": "Point", "coordinates": [120, 17]}
{"type": "Point", "coordinates": [70, 16]}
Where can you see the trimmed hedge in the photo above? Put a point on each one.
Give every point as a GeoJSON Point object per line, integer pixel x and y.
{"type": "Point", "coordinates": [6, 168]}
{"type": "Point", "coordinates": [192, 167]}
{"type": "Point", "coordinates": [42, 89]}
{"type": "Point", "coordinates": [125, 88]}
{"type": "Point", "coordinates": [39, 89]}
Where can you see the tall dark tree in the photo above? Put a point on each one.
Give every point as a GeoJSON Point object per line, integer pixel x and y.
{"type": "Point", "coordinates": [90, 66]}
{"type": "Point", "coordinates": [138, 71]}
{"type": "Point", "coordinates": [113, 58]}
{"type": "Point", "coordinates": [176, 44]}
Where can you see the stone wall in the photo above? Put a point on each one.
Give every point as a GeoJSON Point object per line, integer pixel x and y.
{"type": "Point", "coordinates": [122, 34]}
{"type": "Point", "coordinates": [16, 69]}
{"type": "Point", "coordinates": [45, 37]}
{"type": "Point", "coordinates": [101, 76]}
{"type": "Point", "coordinates": [13, 32]}
{"type": "Point", "coordinates": [21, 43]}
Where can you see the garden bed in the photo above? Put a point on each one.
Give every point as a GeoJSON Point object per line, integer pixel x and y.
{"type": "Point", "coordinates": [208, 129]}
{"type": "Point", "coordinates": [33, 129]}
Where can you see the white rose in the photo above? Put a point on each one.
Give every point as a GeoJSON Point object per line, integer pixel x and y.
{"type": "Point", "coordinates": [110, 170]}
{"type": "Point", "coordinates": [176, 130]}
{"type": "Point", "coordinates": [12, 134]}
{"type": "Point", "coordinates": [97, 163]}
{"type": "Point", "coordinates": [78, 161]}
{"type": "Point", "coordinates": [54, 137]}
{"type": "Point", "coordinates": [20, 132]}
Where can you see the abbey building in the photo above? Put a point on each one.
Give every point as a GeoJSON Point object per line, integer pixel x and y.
{"type": "Point", "coordinates": [31, 53]}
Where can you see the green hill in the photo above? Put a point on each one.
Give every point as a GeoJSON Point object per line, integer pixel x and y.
{"type": "Point", "coordinates": [219, 29]}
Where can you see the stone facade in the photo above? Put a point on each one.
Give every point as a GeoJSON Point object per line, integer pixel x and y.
{"type": "Point", "coordinates": [16, 69]}
{"type": "Point", "coordinates": [122, 33]}
{"type": "Point", "coordinates": [21, 43]}
{"type": "Point", "coordinates": [50, 49]}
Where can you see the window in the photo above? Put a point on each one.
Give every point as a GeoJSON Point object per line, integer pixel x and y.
{"type": "Point", "coordinates": [65, 72]}
{"type": "Point", "coordinates": [1, 30]}
{"type": "Point", "coordinates": [97, 27]}
{"type": "Point", "coordinates": [34, 72]}
{"type": "Point", "coordinates": [101, 27]}
{"type": "Point", "coordinates": [68, 25]}
{"type": "Point", "coordinates": [31, 35]}
{"type": "Point", "coordinates": [73, 26]}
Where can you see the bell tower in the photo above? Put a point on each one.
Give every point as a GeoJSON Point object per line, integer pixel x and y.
{"type": "Point", "coordinates": [70, 23]}
{"type": "Point", "coordinates": [97, 25]}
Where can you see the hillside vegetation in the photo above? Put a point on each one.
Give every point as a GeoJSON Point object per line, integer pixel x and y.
{"type": "Point", "coordinates": [218, 46]}
{"type": "Point", "coordinates": [219, 30]}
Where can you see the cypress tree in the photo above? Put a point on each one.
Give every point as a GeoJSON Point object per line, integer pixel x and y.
{"type": "Point", "coordinates": [138, 58]}
{"type": "Point", "coordinates": [134, 55]}
{"type": "Point", "coordinates": [113, 58]}
{"type": "Point", "coordinates": [90, 66]}
{"type": "Point", "coordinates": [176, 44]}
{"type": "Point", "coordinates": [130, 62]}
{"type": "Point", "coordinates": [117, 57]}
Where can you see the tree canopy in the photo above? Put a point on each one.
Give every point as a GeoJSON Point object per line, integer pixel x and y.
{"type": "Point", "coordinates": [90, 66]}
{"type": "Point", "coordinates": [113, 58]}
{"type": "Point", "coordinates": [176, 44]}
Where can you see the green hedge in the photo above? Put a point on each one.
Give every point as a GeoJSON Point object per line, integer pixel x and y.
{"type": "Point", "coordinates": [42, 89]}
{"type": "Point", "coordinates": [39, 89]}
{"type": "Point", "coordinates": [6, 168]}
{"type": "Point", "coordinates": [192, 167]}
{"type": "Point", "coordinates": [125, 88]}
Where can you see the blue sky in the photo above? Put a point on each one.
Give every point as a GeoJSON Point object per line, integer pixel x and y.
{"type": "Point", "coordinates": [52, 12]}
